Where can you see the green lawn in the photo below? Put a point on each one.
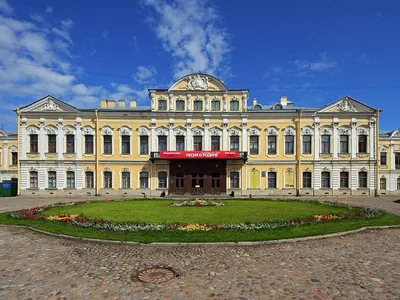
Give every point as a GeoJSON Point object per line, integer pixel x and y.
{"type": "Point", "coordinates": [234, 211]}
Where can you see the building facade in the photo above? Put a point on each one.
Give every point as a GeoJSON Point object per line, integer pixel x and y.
{"type": "Point", "coordinates": [8, 155]}
{"type": "Point", "coordinates": [198, 137]}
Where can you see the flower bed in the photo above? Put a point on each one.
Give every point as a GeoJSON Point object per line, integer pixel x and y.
{"type": "Point", "coordinates": [197, 203]}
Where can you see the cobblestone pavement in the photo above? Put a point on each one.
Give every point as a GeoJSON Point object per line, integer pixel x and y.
{"type": "Point", "coordinates": [357, 266]}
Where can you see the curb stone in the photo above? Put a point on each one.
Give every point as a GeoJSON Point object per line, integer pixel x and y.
{"type": "Point", "coordinates": [160, 244]}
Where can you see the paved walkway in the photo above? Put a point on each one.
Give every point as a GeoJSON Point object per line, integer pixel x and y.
{"type": "Point", "coordinates": [358, 266]}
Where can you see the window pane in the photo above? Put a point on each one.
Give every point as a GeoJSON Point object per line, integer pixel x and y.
{"type": "Point", "coordinates": [52, 143]}
{"type": "Point", "coordinates": [107, 144]}
{"type": "Point", "coordinates": [306, 179]}
{"type": "Point", "coordinates": [234, 142]}
{"type": "Point", "coordinates": [89, 179]}
{"type": "Point", "coordinates": [33, 179]}
{"type": "Point", "coordinates": [383, 183]}
{"type": "Point", "coordinates": [70, 143]}
{"type": "Point", "coordinates": [289, 144]}
{"type": "Point", "coordinates": [306, 144]}
{"type": "Point", "coordinates": [162, 143]}
{"type": "Point", "coordinates": [272, 180]}
{"type": "Point", "coordinates": [126, 180]}
{"type": "Point", "coordinates": [234, 105]}
{"type": "Point", "coordinates": [344, 144]}
{"type": "Point", "coordinates": [197, 143]}
{"type": "Point", "coordinates": [234, 179]}
{"type": "Point", "coordinates": [180, 142]}
{"type": "Point", "coordinates": [34, 143]}
{"type": "Point", "coordinates": [162, 179]}
{"type": "Point", "coordinates": [383, 158]}
{"type": "Point", "coordinates": [162, 104]}
{"type": "Point", "coordinates": [215, 143]}
{"type": "Point", "coordinates": [254, 145]}
{"type": "Point", "coordinates": [344, 179]}
{"type": "Point", "coordinates": [144, 144]}
{"type": "Point", "coordinates": [107, 180]}
{"type": "Point", "coordinates": [362, 179]}
{"type": "Point", "coordinates": [198, 105]}
{"type": "Point", "coordinates": [397, 160]}
{"type": "Point", "coordinates": [215, 105]}
{"type": "Point", "coordinates": [52, 180]}
{"type": "Point", "coordinates": [362, 144]}
{"type": "Point", "coordinates": [180, 105]}
{"type": "Point", "coordinates": [325, 144]}
{"type": "Point", "coordinates": [144, 180]}
{"type": "Point", "coordinates": [126, 144]}
{"type": "Point", "coordinates": [89, 144]}
{"type": "Point", "coordinates": [272, 144]}
{"type": "Point", "coordinates": [14, 158]}
{"type": "Point", "coordinates": [70, 180]}
{"type": "Point", "coordinates": [325, 179]}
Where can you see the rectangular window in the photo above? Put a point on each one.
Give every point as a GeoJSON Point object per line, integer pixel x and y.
{"type": "Point", "coordinates": [383, 158]}
{"type": "Point", "coordinates": [215, 105]}
{"type": "Point", "coordinates": [144, 144]}
{"type": "Point", "coordinates": [362, 179]}
{"type": "Point", "coordinates": [198, 105]}
{"type": "Point", "coordinates": [272, 144]}
{"type": "Point", "coordinates": [234, 179]}
{"type": "Point", "coordinates": [162, 104]}
{"type": "Point", "coordinates": [289, 144]}
{"type": "Point", "coordinates": [34, 143]}
{"type": "Point", "coordinates": [235, 142]}
{"type": "Point", "coordinates": [107, 144]}
{"type": "Point", "coordinates": [52, 180]}
{"type": "Point", "coordinates": [107, 180]}
{"type": "Point", "coordinates": [144, 180]}
{"type": "Point", "coordinates": [306, 144]}
{"type": "Point", "coordinates": [14, 158]}
{"type": "Point", "coordinates": [362, 144]}
{"type": "Point", "coordinates": [126, 180]}
{"type": "Point", "coordinates": [326, 144]}
{"type": "Point", "coordinates": [52, 143]}
{"type": "Point", "coordinates": [89, 179]}
{"type": "Point", "coordinates": [180, 105]}
{"type": "Point", "coordinates": [398, 183]}
{"type": "Point", "coordinates": [272, 180]}
{"type": "Point", "coordinates": [70, 180]}
{"type": "Point", "coordinates": [344, 144]}
{"type": "Point", "coordinates": [234, 105]}
{"type": "Point", "coordinates": [70, 143]}
{"type": "Point", "coordinates": [162, 143]}
{"type": "Point", "coordinates": [126, 144]}
{"type": "Point", "coordinates": [254, 144]}
{"type": "Point", "coordinates": [33, 179]}
{"type": "Point", "coordinates": [197, 143]}
{"type": "Point", "coordinates": [344, 180]}
{"type": "Point", "coordinates": [215, 143]}
{"type": "Point", "coordinates": [162, 180]}
{"type": "Point", "coordinates": [180, 142]}
{"type": "Point", "coordinates": [397, 160]}
{"type": "Point", "coordinates": [89, 146]}
{"type": "Point", "coordinates": [326, 180]}
{"type": "Point", "coordinates": [382, 184]}
{"type": "Point", "coordinates": [307, 180]}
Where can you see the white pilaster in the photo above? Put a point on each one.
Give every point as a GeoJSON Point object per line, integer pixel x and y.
{"type": "Point", "coordinates": [42, 139]}
{"type": "Point", "coordinates": [152, 101]}
{"type": "Point", "coordinates": [79, 182]}
{"type": "Point", "coordinates": [189, 144]}
{"type": "Point", "coordinates": [207, 101]}
{"type": "Point", "coordinates": [225, 100]}
{"type": "Point", "coordinates": [153, 136]}
{"type": "Point", "coordinates": [42, 178]}
{"type": "Point", "coordinates": [60, 139]}
{"type": "Point", "coordinates": [372, 137]}
{"type": "Point", "coordinates": [244, 135]}
{"type": "Point", "coordinates": [207, 141]}
{"type": "Point", "coordinates": [392, 156]}
{"type": "Point", "coordinates": [353, 138]}
{"type": "Point", "coordinates": [5, 155]}
{"type": "Point", "coordinates": [24, 139]}
{"type": "Point", "coordinates": [335, 137]}
{"type": "Point", "coordinates": [225, 134]}
{"type": "Point", "coordinates": [189, 104]}
{"type": "Point", "coordinates": [171, 102]}
{"type": "Point", "coordinates": [172, 145]}
{"type": "Point", "coordinates": [78, 139]}
{"type": "Point", "coordinates": [316, 139]}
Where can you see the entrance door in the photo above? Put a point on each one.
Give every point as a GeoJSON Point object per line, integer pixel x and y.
{"type": "Point", "coordinates": [197, 184]}
{"type": "Point", "coordinates": [179, 182]}
{"type": "Point", "coordinates": [215, 183]}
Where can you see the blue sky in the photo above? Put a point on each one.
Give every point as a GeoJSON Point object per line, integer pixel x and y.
{"type": "Point", "coordinates": [312, 51]}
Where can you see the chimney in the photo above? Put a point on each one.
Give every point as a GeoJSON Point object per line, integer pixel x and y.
{"type": "Point", "coordinates": [103, 103]}
{"type": "Point", "coordinates": [111, 103]}
{"type": "Point", "coordinates": [254, 101]}
{"type": "Point", "coordinates": [133, 103]}
{"type": "Point", "coordinates": [121, 103]}
{"type": "Point", "coordinates": [284, 101]}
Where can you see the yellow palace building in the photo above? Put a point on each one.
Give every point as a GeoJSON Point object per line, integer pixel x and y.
{"type": "Point", "coordinates": [197, 138]}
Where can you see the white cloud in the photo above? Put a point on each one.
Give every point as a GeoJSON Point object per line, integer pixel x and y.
{"type": "Point", "coordinates": [322, 64]}
{"type": "Point", "coordinates": [5, 7]}
{"type": "Point", "coordinates": [92, 52]}
{"type": "Point", "coordinates": [49, 9]}
{"type": "Point", "coordinates": [105, 34]}
{"type": "Point", "coordinates": [67, 24]}
{"type": "Point", "coordinates": [62, 33]}
{"type": "Point", "coordinates": [189, 31]}
{"type": "Point", "coordinates": [145, 74]}
{"type": "Point", "coordinates": [38, 18]}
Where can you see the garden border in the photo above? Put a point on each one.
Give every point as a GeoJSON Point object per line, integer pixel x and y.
{"type": "Point", "coordinates": [258, 243]}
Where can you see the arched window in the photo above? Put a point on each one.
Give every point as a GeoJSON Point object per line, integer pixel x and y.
{"type": "Point", "coordinates": [107, 179]}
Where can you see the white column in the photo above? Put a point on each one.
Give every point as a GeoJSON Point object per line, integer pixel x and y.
{"type": "Point", "coordinates": [244, 137]}
{"type": "Point", "coordinates": [353, 138]}
{"type": "Point", "coordinates": [153, 136]}
{"type": "Point", "coordinates": [78, 139]}
{"type": "Point", "coordinates": [189, 144]}
{"type": "Point", "coordinates": [207, 101]}
{"type": "Point", "coordinates": [372, 137]}
{"type": "Point", "coordinates": [171, 102]}
{"type": "Point", "coordinates": [171, 135]}
{"type": "Point", "coordinates": [392, 156]}
{"type": "Point", "coordinates": [225, 134]}
{"type": "Point", "coordinates": [5, 155]}
{"type": "Point", "coordinates": [42, 140]}
{"type": "Point", "coordinates": [316, 138]}
{"type": "Point", "coordinates": [60, 140]}
{"type": "Point", "coordinates": [207, 142]}
{"type": "Point", "coordinates": [335, 138]}
{"type": "Point", "coordinates": [24, 139]}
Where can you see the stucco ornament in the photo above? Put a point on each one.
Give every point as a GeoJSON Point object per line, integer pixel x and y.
{"type": "Point", "coordinates": [197, 82]}
{"type": "Point", "coordinates": [289, 131]}
{"type": "Point", "coordinates": [87, 130]}
{"type": "Point", "coordinates": [197, 131]}
{"type": "Point", "coordinates": [13, 149]}
{"type": "Point", "coordinates": [307, 131]}
{"type": "Point", "coordinates": [106, 131]}
{"type": "Point", "coordinates": [396, 133]}
{"type": "Point", "coordinates": [344, 131]}
{"type": "Point", "coordinates": [125, 131]}
{"type": "Point", "coordinates": [51, 130]}
{"type": "Point", "coordinates": [161, 131]}
{"type": "Point", "coordinates": [143, 131]}
{"type": "Point", "coordinates": [234, 131]}
{"type": "Point", "coordinates": [179, 131]}
{"type": "Point", "coordinates": [215, 131]}
{"type": "Point", "coordinates": [326, 131]}
{"type": "Point", "coordinates": [50, 105]}
{"type": "Point", "coordinates": [362, 131]}
{"type": "Point", "coordinates": [346, 106]}
{"type": "Point", "coordinates": [272, 131]}
{"type": "Point", "coordinates": [254, 131]}
{"type": "Point", "coordinates": [33, 130]}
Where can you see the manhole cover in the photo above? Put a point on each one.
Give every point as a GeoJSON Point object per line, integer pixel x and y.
{"type": "Point", "coordinates": [155, 274]}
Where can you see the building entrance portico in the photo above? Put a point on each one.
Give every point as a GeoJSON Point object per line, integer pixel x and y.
{"type": "Point", "coordinates": [197, 177]}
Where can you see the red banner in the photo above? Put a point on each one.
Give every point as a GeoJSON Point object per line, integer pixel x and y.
{"type": "Point", "coordinates": [199, 154]}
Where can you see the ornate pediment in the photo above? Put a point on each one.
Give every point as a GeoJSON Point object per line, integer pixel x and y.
{"type": "Point", "coordinates": [143, 131]}
{"type": "Point", "coordinates": [395, 134]}
{"type": "Point", "coordinates": [49, 104]}
{"type": "Point", "coordinates": [289, 131]}
{"type": "Point", "coordinates": [254, 131]}
{"type": "Point", "coordinates": [346, 105]}
{"type": "Point", "coordinates": [162, 131]}
{"type": "Point", "coordinates": [215, 131]}
{"type": "Point", "coordinates": [272, 130]}
{"type": "Point", "coordinates": [307, 131]}
{"type": "Point", "coordinates": [197, 131]}
{"type": "Point", "coordinates": [179, 131]}
{"type": "Point", "coordinates": [234, 131]}
{"type": "Point", "coordinates": [198, 82]}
